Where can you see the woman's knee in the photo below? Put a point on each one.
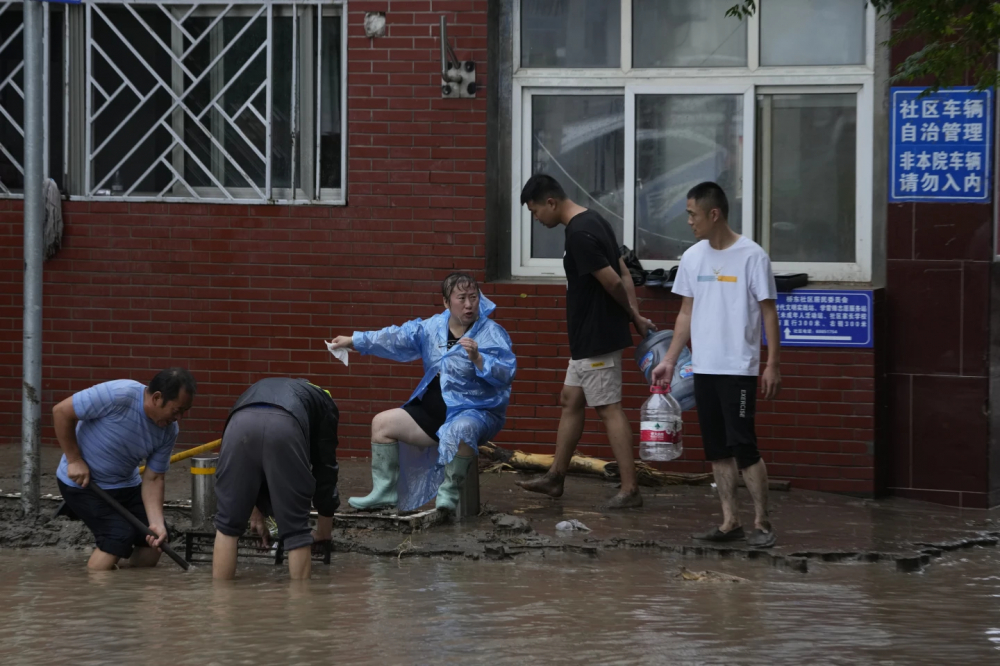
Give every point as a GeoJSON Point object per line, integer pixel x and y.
{"type": "Point", "coordinates": [382, 430]}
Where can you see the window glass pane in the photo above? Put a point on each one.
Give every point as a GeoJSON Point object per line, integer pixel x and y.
{"type": "Point", "coordinates": [793, 32]}
{"type": "Point", "coordinates": [571, 33]}
{"type": "Point", "coordinates": [205, 158]}
{"type": "Point", "coordinates": [55, 93]}
{"type": "Point", "coordinates": [131, 140]}
{"type": "Point", "coordinates": [806, 176]}
{"type": "Point", "coordinates": [234, 81]}
{"type": "Point", "coordinates": [580, 141]}
{"type": "Point", "coordinates": [329, 125]}
{"type": "Point", "coordinates": [12, 103]}
{"type": "Point", "coordinates": [281, 106]}
{"type": "Point", "coordinates": [12, 71]}
{"type": "Point", "coordinates": [683, 140]}
{"type": "Point", "coordinates": [283, 150]}
{"type": "Point", "coordinates": [687, 33]}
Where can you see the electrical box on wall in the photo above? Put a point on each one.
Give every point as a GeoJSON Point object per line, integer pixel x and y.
{"type": "Point", "coordinates": [459, 80]}
{"type": "Point", "coordinates": [458, 77]}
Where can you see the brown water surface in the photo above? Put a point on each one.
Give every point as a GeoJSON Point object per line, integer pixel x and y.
{"type": "Point", "coordinates": [623, 608]}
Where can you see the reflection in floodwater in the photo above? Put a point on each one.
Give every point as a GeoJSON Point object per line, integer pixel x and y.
{"type": "Point", "coordinates": [625, 608]}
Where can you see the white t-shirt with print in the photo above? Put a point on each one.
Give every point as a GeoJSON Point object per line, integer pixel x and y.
{"type": "Point", "coordinates": [727, 287]}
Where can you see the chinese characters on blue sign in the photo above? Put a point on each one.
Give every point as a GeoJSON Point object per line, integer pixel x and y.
{"type": "Point", "coordinates": [822, 318]}
{"type": "Point", "coordinates": [940, 145]}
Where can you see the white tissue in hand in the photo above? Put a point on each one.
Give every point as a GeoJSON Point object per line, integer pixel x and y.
{"type": "Point", "coordinates": [338, 353]}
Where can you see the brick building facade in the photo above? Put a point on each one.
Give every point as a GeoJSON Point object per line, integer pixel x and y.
{"type": "Point", "coordinates": [240, 291]}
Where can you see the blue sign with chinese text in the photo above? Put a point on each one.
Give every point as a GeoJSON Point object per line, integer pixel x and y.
{"type": "Point", "coordinates": [940, 145]}
{"type": "Point", "coordinates": [824, 318]}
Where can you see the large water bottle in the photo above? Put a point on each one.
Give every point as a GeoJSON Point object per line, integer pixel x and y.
{"type": "Point", "coordinates": [661, 426]}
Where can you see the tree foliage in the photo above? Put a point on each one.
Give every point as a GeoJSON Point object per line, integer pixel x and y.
{"type": "Point", "coordinates": [959, 39]}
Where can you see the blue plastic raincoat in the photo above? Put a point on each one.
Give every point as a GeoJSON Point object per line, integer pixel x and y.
{"type": "Point", "coordinates": [476, 399]}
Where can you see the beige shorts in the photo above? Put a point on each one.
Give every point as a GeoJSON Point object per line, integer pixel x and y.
{"type": "Point", "coordinates": [600, 377]}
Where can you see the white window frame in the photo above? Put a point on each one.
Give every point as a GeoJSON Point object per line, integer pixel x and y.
{"type": "Point", "coordinates": [336, 10]}
{"type": "Point", "coordinates": [749, 81]}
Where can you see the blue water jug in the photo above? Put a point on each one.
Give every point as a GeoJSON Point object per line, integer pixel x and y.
{"type": "Point", "coordinates": [652, 350]}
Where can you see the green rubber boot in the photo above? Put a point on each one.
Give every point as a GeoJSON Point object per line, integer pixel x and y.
{"type": "Point", "coordinates": [454, 476]}
{"type": "Point", "coordinates": [385, 474]}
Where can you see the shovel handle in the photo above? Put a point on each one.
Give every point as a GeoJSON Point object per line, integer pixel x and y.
{"type": "Point", "coordinates": [137, 524]}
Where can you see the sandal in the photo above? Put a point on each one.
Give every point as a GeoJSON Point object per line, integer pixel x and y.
{"type": "Point", "coordinates": [718, 536]}
{"type": "Point", "coordinates": [671, 276]}
{"type": "Point", "coordinates": [656, 277]}
{"type": "Point", "coordinates": [761, 539]}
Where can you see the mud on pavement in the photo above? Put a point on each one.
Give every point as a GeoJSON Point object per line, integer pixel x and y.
{"type": "Point", "coordinates": [47, 531]}
{"type": "Point", "coordinates": [811, 526]}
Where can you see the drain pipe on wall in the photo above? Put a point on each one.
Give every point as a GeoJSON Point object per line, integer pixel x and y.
{"type": "Point", "coordinates": [34, 217]}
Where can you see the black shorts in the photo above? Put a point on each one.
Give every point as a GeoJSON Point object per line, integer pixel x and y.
{"type": "Point", "coordinates": [429, 411]}
{"type": "Point", "coordinates": [112, 533]}
{"type": "Point", "coordinates": [727, 405]}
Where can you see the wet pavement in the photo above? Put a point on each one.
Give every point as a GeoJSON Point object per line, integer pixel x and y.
{"type": "Point", "coordinates": [812, 527]}
{"type": "Point", "coordinates": [851, 581]}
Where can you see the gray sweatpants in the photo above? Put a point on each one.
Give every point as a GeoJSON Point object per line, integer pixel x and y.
{"type": "Point", "coordinates": [265, 463]}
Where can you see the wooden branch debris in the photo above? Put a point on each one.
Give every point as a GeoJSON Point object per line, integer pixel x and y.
{"type": "Point", "coordinates": [494, 458]}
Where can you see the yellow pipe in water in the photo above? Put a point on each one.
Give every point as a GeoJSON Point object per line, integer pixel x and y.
{"type": "Point", "coordinates": [189, 453]}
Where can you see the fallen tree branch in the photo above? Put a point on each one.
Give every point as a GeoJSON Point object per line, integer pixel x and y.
{"type": "Point", "coordinates": [493, 458]}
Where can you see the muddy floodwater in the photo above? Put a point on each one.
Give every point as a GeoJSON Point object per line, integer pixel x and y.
{"type": "Point", "coordinates": [620, 608]}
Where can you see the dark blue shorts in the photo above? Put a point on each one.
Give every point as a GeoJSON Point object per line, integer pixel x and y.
{"type": "Point", "coordinates": [113, 534]}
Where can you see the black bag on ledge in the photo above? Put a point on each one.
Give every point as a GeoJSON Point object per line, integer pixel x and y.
{"type": "Point", "coordinates": [634, 267]}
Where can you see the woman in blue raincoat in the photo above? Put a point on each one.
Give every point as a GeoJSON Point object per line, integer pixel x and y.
{"type": "Point", "coordinates": [460, 403]}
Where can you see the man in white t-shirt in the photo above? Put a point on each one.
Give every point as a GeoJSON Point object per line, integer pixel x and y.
{"type": "Point", "coordinates": [728, 287]}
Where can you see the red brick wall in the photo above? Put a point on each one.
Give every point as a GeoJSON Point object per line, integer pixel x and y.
{"type": "Point", "coordinates": [237, 293]}
{"type": "Point", "coordinates": [819, 432]}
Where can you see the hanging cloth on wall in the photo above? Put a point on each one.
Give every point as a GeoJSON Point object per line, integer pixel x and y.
{"type": "Point", "coordinates": [52, 228]}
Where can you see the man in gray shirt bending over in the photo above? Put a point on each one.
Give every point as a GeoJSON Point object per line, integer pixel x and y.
{"type": "Point", "coordinates": [279, 456]}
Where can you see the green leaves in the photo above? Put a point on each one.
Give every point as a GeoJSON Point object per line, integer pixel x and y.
{"type": "Point", "coordinates": [960, 39]}
{"type": "Point", "coordinates": [743, 11]}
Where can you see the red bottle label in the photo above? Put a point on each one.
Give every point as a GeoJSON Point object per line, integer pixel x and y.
{"type": "Point", "coordinates": [658, 431]}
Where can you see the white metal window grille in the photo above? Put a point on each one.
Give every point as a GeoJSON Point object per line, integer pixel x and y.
{"type": "Point", "coordinates": [629, 132]}
{"type": "Point", "coordinates": [12, 96]}
{"type": "Point", "coordinates": [238, 102]}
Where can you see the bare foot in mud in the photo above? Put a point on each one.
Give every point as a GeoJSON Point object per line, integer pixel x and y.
{"type": "Point", "coordinates": [632, 500]}
{"type": "Point", "coordinates": [546, 484]}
